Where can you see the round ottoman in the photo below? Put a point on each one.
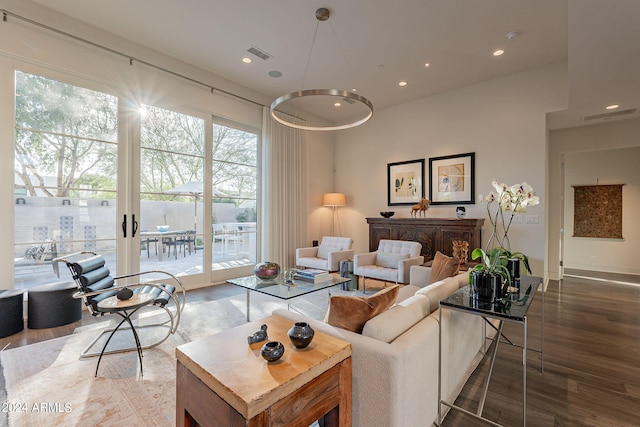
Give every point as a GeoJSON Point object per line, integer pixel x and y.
{"type": "Point", "coordinates": [11, 318]}
{"type": "Point", "coordinates": [53, 305]}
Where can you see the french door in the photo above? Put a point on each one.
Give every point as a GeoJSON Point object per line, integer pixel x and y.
{"type": "Point", "coordinates": [65, 185]}
{"type": "Point", "coordinates": [149, 188]}
{"type": "Point", "coordinates": [171, 176]}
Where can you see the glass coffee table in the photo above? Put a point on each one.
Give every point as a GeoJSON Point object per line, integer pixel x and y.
{"type": "Point", "coordinates": [279, 289]}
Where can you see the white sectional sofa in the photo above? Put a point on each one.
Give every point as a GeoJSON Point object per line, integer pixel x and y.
{"type": "Point", "coordinates": [395, 359]}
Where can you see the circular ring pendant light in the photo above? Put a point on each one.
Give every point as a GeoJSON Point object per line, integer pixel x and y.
{"type": "Point", "coordinates": [364, 106]}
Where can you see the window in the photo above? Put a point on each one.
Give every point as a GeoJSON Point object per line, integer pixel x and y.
{"type": "Point", "coordinates": [65, 174]}
{"type": "Point", "coordinates": [235, 183]}
{"type": "Point", "coordinates": [171, 189]}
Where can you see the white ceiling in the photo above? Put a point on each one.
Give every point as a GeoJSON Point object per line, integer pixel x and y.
{"type": "Point", "coordinates": [386, 42]}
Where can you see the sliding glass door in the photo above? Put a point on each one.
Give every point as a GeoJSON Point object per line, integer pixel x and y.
{"type": "Point", "coordinates": [235, 183]}
{"type": "Point", "coordinates": [65, 187]}
{"type": "Point", "coordinates": [149, 188]}
{"type": "Point", "coordinates": [172, 147]}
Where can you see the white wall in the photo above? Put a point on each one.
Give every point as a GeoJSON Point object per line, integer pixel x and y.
{"type": "Point", "coordinates": [502, 121]}
{"type": "Point", "coordinates": [607, 154]}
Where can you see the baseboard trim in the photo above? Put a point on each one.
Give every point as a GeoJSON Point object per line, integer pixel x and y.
{"type": "Point", "coordinates": [629, 279]}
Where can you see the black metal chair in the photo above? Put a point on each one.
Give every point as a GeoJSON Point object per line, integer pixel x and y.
{"type": "Point", "coordinates": [174, 242]}
{"type": "Point", "coordinates": [98, 289]}
{"type": "Point", "coordinates": [146, 242]}
{"type": "Point", "coordinates": [189, 242]}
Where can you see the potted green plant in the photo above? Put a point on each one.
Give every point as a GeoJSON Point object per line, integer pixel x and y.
{"type": "Point", "coordinates": [499, 265]}
{"type": "Point", "coordinates": [490, 278]}
{"type": "Point", "coordinates": [496, 271]}
{"type": "Point", "coordinates": [513, 260]}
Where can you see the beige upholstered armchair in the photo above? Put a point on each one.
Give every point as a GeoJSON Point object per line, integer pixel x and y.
{"type": "Point", "coordinates": [390, 263]}
{"type": "Point", "coordinates": [327, 256]}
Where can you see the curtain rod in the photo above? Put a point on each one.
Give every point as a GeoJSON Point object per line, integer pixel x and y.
{"type": "Point", "coordinates": [131, 59]}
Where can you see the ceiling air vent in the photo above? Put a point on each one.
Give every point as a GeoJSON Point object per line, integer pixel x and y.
{"type": "Point", "coordinates": [259, 53]}
{"type": "Point", "coordinates": [612, 115]}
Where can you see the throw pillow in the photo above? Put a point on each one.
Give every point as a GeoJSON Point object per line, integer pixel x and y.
{"type": "Point", "coordinates": [323, 252]}
{"type": "Point", "coordinates": [389, 260]}
{"type": "Point", "coordinates": [351, 313]}
{"type": "Point", "coordinates": [443, 266]}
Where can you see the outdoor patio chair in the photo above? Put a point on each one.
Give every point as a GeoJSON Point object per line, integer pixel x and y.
{"type": "Point", "coordinates": [175, 242]}
{"type": "Point", "coordinates": [100, 293]}
{"type": "Point", "coordinates": [146, 243]}
{"type": "Point", "coordinates": [189, 242]}
{"type": "Point", "coordinates": [219, 233]}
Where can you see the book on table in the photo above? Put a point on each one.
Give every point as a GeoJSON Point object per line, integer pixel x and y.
{"type": "Point", "coordinates": [312, 275]}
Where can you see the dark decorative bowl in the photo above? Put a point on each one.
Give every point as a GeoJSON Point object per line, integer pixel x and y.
{"type": "Point", "coordinates": [267, 270]}
{"type": "Point", "coordinates": [272, 351]}
{"type": "Point", "coordinates": [387, 214]}
{"type": "Point", "coordinates": [124, 294]}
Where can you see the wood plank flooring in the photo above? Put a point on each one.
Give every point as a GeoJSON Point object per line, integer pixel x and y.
{"type": "Point", "coordinates": [592, 358]}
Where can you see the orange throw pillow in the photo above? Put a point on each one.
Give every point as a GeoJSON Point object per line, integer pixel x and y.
{"type": "Point", "coordinates": [443, 266]}
{"type": "Point", "coordinates": [351, 313]}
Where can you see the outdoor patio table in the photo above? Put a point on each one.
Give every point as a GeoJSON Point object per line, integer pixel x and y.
{"type": "Point", "coordinates": [161, 235]}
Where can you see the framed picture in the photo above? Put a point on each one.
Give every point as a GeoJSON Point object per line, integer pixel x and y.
{"type": "Point", "coordinates": [452, 179]}
{"type": "Point", "coordinates": [405, 182]}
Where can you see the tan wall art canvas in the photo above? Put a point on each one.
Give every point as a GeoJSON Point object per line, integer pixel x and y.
{"type": "Point", "coordinates": [598, 211]}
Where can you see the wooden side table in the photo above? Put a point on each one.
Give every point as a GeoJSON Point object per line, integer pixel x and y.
{"type": "Point", "coordinates": [223, 381]}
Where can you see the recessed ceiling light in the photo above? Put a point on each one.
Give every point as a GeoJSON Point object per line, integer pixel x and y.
{"type": "Point", "coordinates": [612, 106]}
{"type": "Point", "coordinates": [498, 52]}
{"type": "Point", "coordinates": [402, 83]}
{"type": "Point", "coordinates": [354, 90]}
{"type": "Point", "coordinates": [337, 104]}
{"type": "Point", "coordinates": [427, 65]}
{"type": "Point", "coordinates": [246, 60]}
{"type": "Point", "coordinates": [275, 73]}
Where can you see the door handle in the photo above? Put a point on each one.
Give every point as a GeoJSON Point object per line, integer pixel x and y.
{"type": "Point", "coordinates": [124, 226]}
{"type": "Point", "coordinates": [134, 225]}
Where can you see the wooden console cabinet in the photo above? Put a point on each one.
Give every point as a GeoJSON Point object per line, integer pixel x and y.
{"type": "Point", "coordinates": [435, 234]}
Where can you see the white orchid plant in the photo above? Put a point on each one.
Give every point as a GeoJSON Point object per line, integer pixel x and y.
{"type": "Point", "coordinates": [503, 205]}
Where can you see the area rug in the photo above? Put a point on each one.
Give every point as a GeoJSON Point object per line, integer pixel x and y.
{"type": "Point", "coordinates": [46, 384]}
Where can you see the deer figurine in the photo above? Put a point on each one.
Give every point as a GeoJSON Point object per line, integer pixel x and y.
{"type": "Point", "coordinates": [421, 207]}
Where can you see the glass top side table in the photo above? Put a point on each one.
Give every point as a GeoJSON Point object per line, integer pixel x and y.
{"type": "Point", "coordinates": [515, 312]}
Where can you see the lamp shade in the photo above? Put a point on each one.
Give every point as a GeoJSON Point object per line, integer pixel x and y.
{"type": "Point", "coordinates": [333, 199]}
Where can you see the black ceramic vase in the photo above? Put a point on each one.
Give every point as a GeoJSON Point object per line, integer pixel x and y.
{"type": "Point", "coordinates": [272, 351]}
{"type": "Point", "coordinates": [496, 284]}
{"type": "Point", "coordinates": [483, 285]}
{"type": "Point", "coordinates": [301, 334]}
{"type": "Point", "coordinates": [513, 265]}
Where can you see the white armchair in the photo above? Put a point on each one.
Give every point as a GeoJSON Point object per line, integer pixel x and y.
{"type": "Point", "coordinates": [327, 256]}
{"type": "Point", "coordinates": [390, 263]}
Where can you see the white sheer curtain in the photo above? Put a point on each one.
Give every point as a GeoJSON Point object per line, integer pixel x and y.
{"type": "Point", "coordinates": [284, 191]}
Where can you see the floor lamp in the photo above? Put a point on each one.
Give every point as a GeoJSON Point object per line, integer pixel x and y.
{"type": "Point", "coordinates": [333, 200]}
